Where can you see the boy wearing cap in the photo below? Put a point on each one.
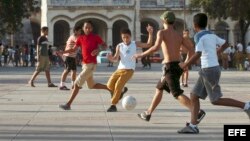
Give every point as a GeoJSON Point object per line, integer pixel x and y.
{"type": "Point", "coordinates": [170, 42]}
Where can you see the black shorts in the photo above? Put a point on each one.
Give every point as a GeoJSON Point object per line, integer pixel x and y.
{"type": "Point", "coordinates": [170, 80]}
{"type": "Point", "coordinates": [70, 63]}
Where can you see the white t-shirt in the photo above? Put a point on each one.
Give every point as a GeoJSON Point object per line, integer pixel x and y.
{"type": "Point", "coordinates": [126, 54]}
{"type": "Point", "coordinates": [227, 50]}
{"type": "Point", "coordinates": [248, 49]}
{"type": "Point", "coordinates": [239, 47]}
{"type": "Point", "coordinates": [207, 46]}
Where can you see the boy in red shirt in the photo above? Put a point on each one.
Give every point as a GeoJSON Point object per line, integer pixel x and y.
{"type": "Point", "coordinates": [89, 45]}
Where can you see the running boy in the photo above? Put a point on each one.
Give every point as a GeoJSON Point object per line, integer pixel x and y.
{"type": "Point", "coordinates": [42, 58]}
{"type": "Point", "coordinates": [209, 75]}
{"type": "Point", "coordinates": [170, 42]}
{"type": "Point", "coordinates": [89, 45]}
{"type": "Point", "coordinates": [126, 67]}
{"type": "Point", "coordinates": [70, 59]}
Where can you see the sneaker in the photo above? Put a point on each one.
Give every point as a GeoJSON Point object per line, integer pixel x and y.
{"type": "Point", "coordinates": [51, 85]}
{"type": "Point", "coordinates": [65, 107]}
{"type": "Point", "coordinates": [144, 116]}
{"type": "Point", "coordinates": [125, 89]}
{"type": "Point", "coordinates": [201, 115]}
{"type": "Point", "coordinates": [189, 130]}
{"type": "Point", "coordinates": [63, 88]}
{"type": "Point", "coordinates": [248, 110]}
{"type": "Point", "coordinates": [112, 108]}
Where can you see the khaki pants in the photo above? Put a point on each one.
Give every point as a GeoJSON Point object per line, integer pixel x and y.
{"type": "Point", "coordinates": [239, 60]}
{"type": "Point", "coordinates": [86, 75]}
{"type": "Point", "coordinates": [117, 81]}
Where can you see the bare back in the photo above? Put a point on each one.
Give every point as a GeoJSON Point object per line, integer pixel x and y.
{"type": "Point", "coordinates": [171, 43]}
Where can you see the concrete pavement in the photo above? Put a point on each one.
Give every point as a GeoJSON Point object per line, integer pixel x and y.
{"type": "Point", "coordinates": [32, 114]}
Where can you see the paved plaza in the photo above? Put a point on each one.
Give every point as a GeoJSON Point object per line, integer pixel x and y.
{"type": "Point", "coordinates": [32, 114]}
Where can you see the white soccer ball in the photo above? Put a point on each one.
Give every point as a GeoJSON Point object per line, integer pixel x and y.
{"type": "Point", "coordinates": [128, 103]}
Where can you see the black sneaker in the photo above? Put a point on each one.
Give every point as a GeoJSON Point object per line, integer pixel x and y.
{"type": "Point", "coordinates": [144, 116]}
{"type": "Point", "coordinates": [201, 115]}
{"type": "Point", "coordinates": [51, 85]}
{"type": "Point", "coordinates": [65, 107]}
{"type": "Point", "coordinates": [64, 88]}
{"type": "Point", "coordinates": [112, 108]}
{"type": "Point", "coordinates": [125, 89]}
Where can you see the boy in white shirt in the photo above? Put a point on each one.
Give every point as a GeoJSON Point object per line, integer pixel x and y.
{"type": "Point", "coordinates": [126, 67]}
{"type": "Point", "coordinates": [209, 75]}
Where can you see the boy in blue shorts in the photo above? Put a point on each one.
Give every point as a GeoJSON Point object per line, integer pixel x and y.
{"type": "Point", "coordinates": [208, 82]}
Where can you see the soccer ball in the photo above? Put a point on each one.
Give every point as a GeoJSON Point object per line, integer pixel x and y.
{"type": "Point", "coordinates": [129, 103]}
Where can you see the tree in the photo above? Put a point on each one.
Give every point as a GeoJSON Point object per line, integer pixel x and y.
{"type": "Point", "coordinates": [12, 13]}
{"type": "Point", "coordinates": [235, 9]}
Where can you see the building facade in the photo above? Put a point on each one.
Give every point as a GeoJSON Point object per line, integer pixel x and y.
{"type": "Point", "coordinates": [109, 16]}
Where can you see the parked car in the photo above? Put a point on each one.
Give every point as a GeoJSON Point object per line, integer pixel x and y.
{"type": "Point", "coordinates": [102, 57]}
{"type": "Point", "coordinates": [156, 58]}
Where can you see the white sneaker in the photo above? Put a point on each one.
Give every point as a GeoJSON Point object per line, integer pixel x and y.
{"type": "Point", "coordinates": [248, 110]}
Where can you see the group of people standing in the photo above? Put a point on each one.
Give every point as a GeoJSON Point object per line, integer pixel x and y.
{"type": "Point", "coordinates": [17, 56]}
{"type": "Point", "coordinates": [207, 46]}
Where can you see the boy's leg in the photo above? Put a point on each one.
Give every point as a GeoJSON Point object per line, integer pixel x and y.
{"type": "Point", "coordinates": [155, 102]}
{"type": "Point", "coordinates": [146, 115]}
{"type": "Point", "coordinates": [192, 128]}
{"type": "Point", "coordinates": [125, 75]}
{"type": "Point", "coordinates": [195, 108]}
{"type": "Point", "coordinates": [229, 102]}
{"type": "Point", "coordinates": [63, 77]}
{"type": "Point", "coordinates": [112, 82]}
{"type": "Point", "coordinates": [185, 101]}
{"type": "Point", "coordinates": [73, 77]}
{"type": "Point", "coordinates": [31, 82]}
{"type": "Point", "coordinates": [73, 94]}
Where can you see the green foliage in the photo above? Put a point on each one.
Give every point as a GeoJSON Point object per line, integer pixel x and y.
{"type": "Point", "coordinates": [12, 12]}
{"type": "Point", "coordinates": [235, 9]}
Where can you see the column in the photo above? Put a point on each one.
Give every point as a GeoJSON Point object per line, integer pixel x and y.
{"type": "Point", "coordinates": [109, 36]}
{"type": "Point", "coordinates": [137, 24]}
{"type": "Point", "coordinates": [231, 36]}
{"type": "Point", "coordinates": [44, 10]}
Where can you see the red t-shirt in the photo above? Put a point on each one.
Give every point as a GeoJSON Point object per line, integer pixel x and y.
{"type": "Point", "coordinates": [89, 43]}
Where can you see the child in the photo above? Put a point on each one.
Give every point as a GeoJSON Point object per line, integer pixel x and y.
{"type": "Point", "coordinates": [42, 58]}
{"type": "Point", "coordinates": [126, 67]}
{"type": "Point", "coordinates": [170, 41]}
{"type": "Point", "coordinates": [70, 59]}
{"type": "Point", "coordinates": [209, 75]}
{"type": "Point", "coordinates": [89, 45]}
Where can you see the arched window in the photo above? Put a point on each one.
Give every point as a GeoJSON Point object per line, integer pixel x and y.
{"type": "Point", "coordinates": [61, 33]}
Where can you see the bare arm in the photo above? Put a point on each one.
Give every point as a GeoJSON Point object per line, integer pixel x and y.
{"type": "Point", "coordinates": [192, 60]}
{"type": "Point", "coordinates": [150, 39]}
{"type": "Point", "coordinates": [187, 43]}
{"type": "Point", "coordinates": [71, 50]}
{"type": "Point", "coordinates": [222, 48]}
{"type": "Point", "coordinates": [116, 56]}
{"type": "Point", "coordinates": [154, 48]}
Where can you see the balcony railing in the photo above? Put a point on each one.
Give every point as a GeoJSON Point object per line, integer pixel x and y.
{"type": "Point", "coordinates": [162, 3]}
{"type": "Point", "coordinates": [91, 2]}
